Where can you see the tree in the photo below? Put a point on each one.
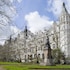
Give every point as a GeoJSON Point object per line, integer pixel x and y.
{"type": "Point", "coordinates": [7, 13]}
{"type": "Point", "coordinates": [58, 56]}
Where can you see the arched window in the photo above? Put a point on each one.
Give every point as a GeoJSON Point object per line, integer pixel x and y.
{"type": "Point", "coordinates": [34, 55]}
{"type": "Point", "coordinates": [53, 46]}
{"type": "Point", "coordinates": [39, 55]}
{"type": "Point", "coordinates": [43, 56]}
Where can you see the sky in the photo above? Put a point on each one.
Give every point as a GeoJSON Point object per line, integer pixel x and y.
{"type": "Point", "coordinates": [36, 14]}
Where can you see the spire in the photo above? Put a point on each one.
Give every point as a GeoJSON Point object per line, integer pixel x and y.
{"type": "Point", "coordinates": [64, 10]}
{"type": "Point", "coordinates": [26, 28]}
{"type": "Point", "coordinates": [10, 39]}
{"type": "Point", "coordinates": [63, 4]}
{"type": "Point", "coordinates": [26, 31]}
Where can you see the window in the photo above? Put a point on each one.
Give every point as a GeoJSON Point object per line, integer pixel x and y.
{"type": "Point", "coordinates": [53, 45]}
{"type": "Point", "coordinates": [34, 55]}
{"type": "Point", "coordinates": [43, 56]}
{"type": "Point", "coordinates": [41, 47]}
{"type": "Point", "coordinates": [39, 55]}
{"type": "Point", "coordinates": [53, 38]}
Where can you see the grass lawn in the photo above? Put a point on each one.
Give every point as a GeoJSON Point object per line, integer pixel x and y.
{"type": "Point", "coordinates": [21, 66]}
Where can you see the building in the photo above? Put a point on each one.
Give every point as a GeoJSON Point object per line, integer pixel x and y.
{"type": "Point", "coordinates": [60, 32]}
{"type": "Point", "coordinates": [28, 46]}
{"type": "Point", "coordinates": [65, 31]}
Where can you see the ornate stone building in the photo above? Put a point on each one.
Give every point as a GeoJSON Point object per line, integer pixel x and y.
{"type": "Point", "coordinates": [54, 35]}
{"type": "Point", "coordinates": [31, 46]}
{"type": "Point", "coordinates": [64, 24]}
{"type": "Point", "coordinates": [27, 48]}
{"type": "Point", "coordinates": [60, 32]}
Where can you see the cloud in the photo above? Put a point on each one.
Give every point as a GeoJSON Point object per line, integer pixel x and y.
{"type": "Point", "coordinates": [36, 22]}
{"type": "Point", "coordinates": [56, 6]}
{"type": "Point", "coordinates": [7, 31]}
{"type": "Point", "coordinates": [19, 1]}
{"type": "Point", "coordinates": [68, 5]}
{"type": "Point", "coordinates": [14, 31]}
{"type": "Point", "coordinates": [16, 0]}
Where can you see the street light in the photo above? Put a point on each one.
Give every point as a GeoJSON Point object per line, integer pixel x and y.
{"type": "Point", "coordinates": [25, 37]}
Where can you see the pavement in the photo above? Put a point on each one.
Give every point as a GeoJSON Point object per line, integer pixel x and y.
{"type": "Point", "coordinates": [1, 68]}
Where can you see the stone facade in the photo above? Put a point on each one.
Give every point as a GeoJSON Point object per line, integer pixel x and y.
{"type": "Point", "coordinates": [60, 32]}
{"type": "Point", "coordinates": [27, 49]}
{"type": "Point", "coordinates": [65, 31]}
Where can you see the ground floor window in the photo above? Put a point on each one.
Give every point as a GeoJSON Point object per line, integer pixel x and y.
{"type": "Point", "coordinates": [38, 55]}
{"type": "Point", "coordinates": [34, 55]}
{"type": "Point", "coordinates": [43, 56]}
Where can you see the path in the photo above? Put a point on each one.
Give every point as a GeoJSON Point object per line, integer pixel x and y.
{"type": "Point", "coordinates": [1, 68]}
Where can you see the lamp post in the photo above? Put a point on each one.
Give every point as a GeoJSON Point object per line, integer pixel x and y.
{"type": "Point", "coordinates": [25, 37]}
{"type": "Point", "coordinates": [37, 55]}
